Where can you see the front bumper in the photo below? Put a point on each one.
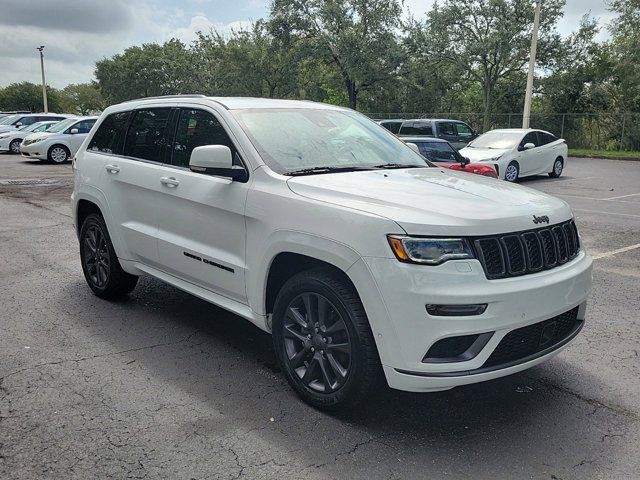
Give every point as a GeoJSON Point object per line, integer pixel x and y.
{"type": "Point", "coordinates": [406, 334]}
{"type": "Point", "coordinates": [35, 150]}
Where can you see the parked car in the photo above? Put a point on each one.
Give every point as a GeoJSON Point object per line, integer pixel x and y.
{"type": "Point", "coordinates": [316, 225]}
{"type": "Point", "coordinates": [60, 142]}
{"type": "Point", "coordinates": [444, 155]}
{"type": "Point", "coordinates": [12, 122]}
{"type": "Point", "coordinates": [10, 141]}
{"type": "Point", "coordinates": [392, 125]}
{"type": "Point", "coordinates": [6, 114]}
{"type": "Point", "coordinates": [518, 152]}
{"type": "Point", "coordinates": [457, 133]}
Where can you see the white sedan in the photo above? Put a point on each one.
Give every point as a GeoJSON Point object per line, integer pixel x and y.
{"type": "Point", "coordinates": [10, 141]}
{"type": "Point", "coordinates": [60, 142]}
{"type": "Point", "coordinates": [519, 152]}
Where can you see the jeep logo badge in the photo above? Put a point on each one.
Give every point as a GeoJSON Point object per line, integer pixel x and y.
{"type": "Point", "coordinates": [541, 219]}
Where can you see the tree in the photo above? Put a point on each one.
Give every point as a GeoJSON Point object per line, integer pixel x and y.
{"type": "Point", "coordinates": [145, 71]}
{"type": "Point", "coordinates": [82, 98]}
{"type": "Point", "coordinates": [28, 96]}
{"type": "Point", "coordinates": [489, 40]}
{"type": "Point", "coordinates": [357, 36]}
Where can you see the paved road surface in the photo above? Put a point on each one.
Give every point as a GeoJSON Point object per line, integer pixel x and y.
{"type": "Point", "coordinates": [163, 385]}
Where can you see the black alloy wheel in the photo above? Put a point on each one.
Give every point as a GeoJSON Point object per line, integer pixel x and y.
{"type": "Point", "coordinates": [317, 342]}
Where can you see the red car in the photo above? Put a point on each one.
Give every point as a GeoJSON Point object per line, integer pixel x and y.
{"type": "Point", "coordinates": [443, 154]}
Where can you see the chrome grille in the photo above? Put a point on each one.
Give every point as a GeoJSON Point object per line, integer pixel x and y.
{"type": "Point", "coordinates": [526, 252]}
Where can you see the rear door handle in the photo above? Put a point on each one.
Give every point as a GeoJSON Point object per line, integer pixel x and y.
{"type": "Point", "coordinates": [112, 168]}
{"type": "Point", "coordinates": [170, 182]}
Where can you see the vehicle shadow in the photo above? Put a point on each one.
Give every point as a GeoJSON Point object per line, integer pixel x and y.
{"type": "Point", "coordinates": [483, 430]}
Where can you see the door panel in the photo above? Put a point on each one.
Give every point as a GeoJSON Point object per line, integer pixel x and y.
{"type": "Point", "coordinates": [201, 236]}
{"type": "Point", "coordinates": [527, 159]}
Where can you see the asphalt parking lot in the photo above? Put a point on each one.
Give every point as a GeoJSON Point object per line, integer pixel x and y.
{"type": "Point", "coordinates": [163, 385]}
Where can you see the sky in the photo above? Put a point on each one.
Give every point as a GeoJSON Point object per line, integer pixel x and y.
{"type": "Point", "coordinates": [77, 33]}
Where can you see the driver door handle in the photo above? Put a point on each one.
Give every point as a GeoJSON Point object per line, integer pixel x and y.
{"type": "Point", "coordinates": [112, 168]}
{"type": "Point", "coordinates": [170, 182]}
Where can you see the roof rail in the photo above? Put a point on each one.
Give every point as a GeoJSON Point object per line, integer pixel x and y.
{"type": "Point", "coordinates": [186, 95]}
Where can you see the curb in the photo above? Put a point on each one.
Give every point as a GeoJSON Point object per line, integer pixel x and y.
{"type": "Point", "coordinates": [608, 157]}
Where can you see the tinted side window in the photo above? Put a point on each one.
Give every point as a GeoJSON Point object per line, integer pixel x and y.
{"type": "Point", "coordinates": [438, 152]}
{"type": "Point", "coordinates": [196, 128]}
{"type": "Point", "coordinates": [83, 127]}
{"type": "Point", "coordinates": [110, 134]}
{"type": "Point", "coordinates": [464, 130]}
{"type": "Point", "coordinates": [147, 138]}
{"type": "Point", "coordinates": [530, 137]}
{"type": "Point", "coordinates": [446, 128]}
{"type": "Point", "coordinates": [26, 120]}
{"type": "Point", "coordinates": [546, 138]}
{"type": "Point", "coordinates": [417, 129]}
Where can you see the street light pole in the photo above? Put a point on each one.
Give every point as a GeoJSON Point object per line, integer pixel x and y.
{"type": "Point", "coordinates": [532, 64]}
{"type": "Point", "coordinates": [44, 83]}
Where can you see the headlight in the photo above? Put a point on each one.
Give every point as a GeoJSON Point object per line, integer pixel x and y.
{"type": "Point", "coordinates": [29, 142]}
{"type": "Point", "coordinates": [430, 251]}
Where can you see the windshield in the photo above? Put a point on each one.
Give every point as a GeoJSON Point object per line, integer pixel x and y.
{"type": "Point", "coordinates": [438, 152]}
{"type": "Point", "coordinates": [31, 128]}
{"type": "Point", "coordinates": [290, 140]}
{"type": "Point", "coordinates": [499, 140]}
{"type": "Point", "coordinates": [9, 120]}
{"type": "Point", "coordinates": [60, 126]}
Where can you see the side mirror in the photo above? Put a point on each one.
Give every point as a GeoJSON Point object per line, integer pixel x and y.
{"type": "Point", "coordinates": [413, 147]}
{"type": "Point", "coordinates": [17, 125]}
{"type": "Point", "coordinates": [216, 160]}
{"type": "Point", "coordinates": [529, 146]}
{"type": "Point", "coordinates": [73, 131]}
{"type": "Point", "coordinates": [464, 161]}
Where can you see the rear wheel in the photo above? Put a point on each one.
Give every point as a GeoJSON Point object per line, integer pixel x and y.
{"type": "Point", "coordinates": [512, 172]}
{"type": "Point", "coordinates": [58, 154]}
{"type": "Point", "coordinates": [558, 166]}
{"type": "Point", "coordinates": [14, 146]}
{"type": "Point", "coordinates": [100, 264]}
{"type": "Point", "coordinates": [323, 341]}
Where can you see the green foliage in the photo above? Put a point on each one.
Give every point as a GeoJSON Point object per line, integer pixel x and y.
{"type": "Point", "coordinates": [82, 98]}
{"type": "Point", "coordinates": [28, 96]}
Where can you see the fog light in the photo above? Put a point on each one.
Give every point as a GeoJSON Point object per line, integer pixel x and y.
{"type": "Point", "coordinates": [456, 310]}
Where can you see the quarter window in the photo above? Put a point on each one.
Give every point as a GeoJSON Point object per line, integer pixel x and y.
{"type": "Point", "coordinates": [147, 137]}
{"type": "Point", "coordinates": [110, 134]}
{"type": "Point", "coordinates": [196, 128]}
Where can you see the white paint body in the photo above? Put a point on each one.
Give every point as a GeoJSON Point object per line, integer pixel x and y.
{"type": "Point", "coordinates": [341, 219]}
{"type": "Point", "coordinates": [535, 161]}
{"type": "Point", "coordinates": [43, 141]}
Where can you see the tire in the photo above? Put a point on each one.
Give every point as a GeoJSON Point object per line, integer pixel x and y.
{"type": "Point", "coordinates": [512, 172]}
{"type": "Point", "coordinates": [332, 364]}
{"type": "Point", "coordinates": [558, 166]}
{"type": "Point", "coordinates": [58, 154]}
{"type": "Point", "coordinates": [14, 146]}
{"type": "Point", "coordinates": [100, 265]}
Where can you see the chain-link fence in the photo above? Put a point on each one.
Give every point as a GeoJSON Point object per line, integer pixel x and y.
{"type": "Point", "coordinates": [596, 131]}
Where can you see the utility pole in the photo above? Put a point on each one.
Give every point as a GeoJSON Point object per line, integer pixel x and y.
{"type": "Point", "coordinates": [532, 64]}
{"type": "Point", "coordinates": [44, 83]}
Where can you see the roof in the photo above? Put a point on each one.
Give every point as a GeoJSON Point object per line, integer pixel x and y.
{"type": "Point", "coordinates": [433, 120]}
{"type": "Point", "coordinates": [514, 130]}
{"type": "Point", "coordinates": [423, 138]}
{"type": "Point", "coordinates": [237, 103]}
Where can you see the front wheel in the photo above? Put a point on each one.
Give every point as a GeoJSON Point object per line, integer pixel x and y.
{"type": "Point", "coordinates": [100, 264]}
{"type": "Point", "coordinates": [323, 341]}
{"type": "Point", "coordinates": [58, 154]}
{"type": "Point", "coordinates": [14, 146]}
{"type": "Point", "coordinates": [558, 166]}
{"type": "Point", "coordinates": [512, 172]}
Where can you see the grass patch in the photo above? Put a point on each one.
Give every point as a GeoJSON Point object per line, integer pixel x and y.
{"type": "Point", "coordinates": [605, 153]}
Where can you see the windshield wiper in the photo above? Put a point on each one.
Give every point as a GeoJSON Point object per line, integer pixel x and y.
{"type": "Point", "coordinates": [320, 170]}
{"type": "Point", "coordinates": [396, 165]}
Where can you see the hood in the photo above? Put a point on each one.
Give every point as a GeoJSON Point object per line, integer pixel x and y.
{"type": "Point", "coordinates": [7, 128]}
{"type": "Point", "coordinates": [435, 201]}
{"type": "Point", "coordinates": [479, 154]}
{"type": "Point", "coordinates": [37, 136]}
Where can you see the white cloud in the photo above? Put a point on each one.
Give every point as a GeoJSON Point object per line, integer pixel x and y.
{"type": "Point", "coordinates": [201, 23]}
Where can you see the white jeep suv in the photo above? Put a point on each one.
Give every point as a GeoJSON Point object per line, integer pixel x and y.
{"type": "Point", "coordinates": [321, 227]}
